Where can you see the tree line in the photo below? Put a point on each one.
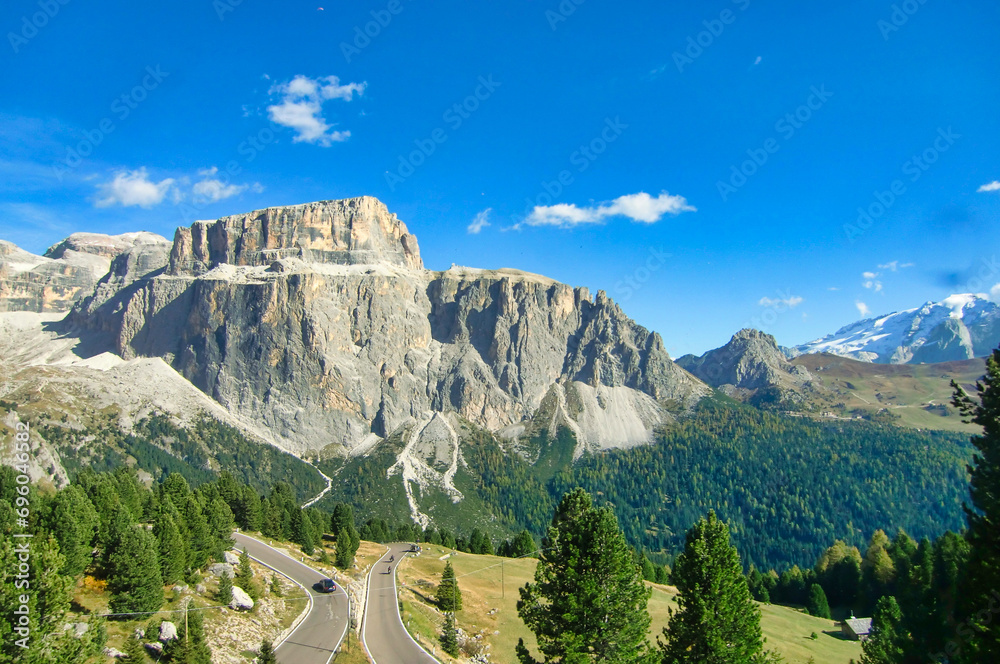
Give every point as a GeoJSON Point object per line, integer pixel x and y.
{"type": "Point", "coordinates": [138, 539]}
{"type": "Point", "coordinates": [932, 601]}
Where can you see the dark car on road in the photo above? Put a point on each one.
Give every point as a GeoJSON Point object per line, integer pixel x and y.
{"type": "Point", "coordinates": [326, 586]}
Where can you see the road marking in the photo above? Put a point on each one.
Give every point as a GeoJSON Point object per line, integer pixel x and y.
{"type": "Point", "coordinates": [340, 588]}
{"type": "Point", "coordinates": [395, 593]}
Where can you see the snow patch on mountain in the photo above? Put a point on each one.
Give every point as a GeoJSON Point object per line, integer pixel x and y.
{"type": "Point", "coordinates": [960, 327]}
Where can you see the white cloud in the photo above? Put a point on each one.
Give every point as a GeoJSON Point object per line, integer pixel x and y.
{"type": "Point", "coordinates": [992, 186]}
{"type": "Point", "coordinates": [833, 288]}
{"type": "Point", "coordinates": [862, 308]}
{"type": "Point", "coordinates": [791, 302]}
{"type": "Point", "coordinates": [894, 266]}
{"type": "Point", "coordinates": [871, 281]}
{"type": "Point", "coordinates": [639, 207]}
{"type": "Point", "coordinates": [301, 107]}
{"type": "Point", "coordinates": [130, 188]}
{"type": "Point", "coordinates": [211, 189]}
{"type": "Point", "coordinates": [757, 61]}
{"type": "Point", "coordinates": [995, 293]}
{"type": "Point", "coordinates": [481, 221]}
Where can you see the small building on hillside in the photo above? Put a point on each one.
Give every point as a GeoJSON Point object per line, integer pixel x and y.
{"type": "Point", "coordinates": [856, 629]}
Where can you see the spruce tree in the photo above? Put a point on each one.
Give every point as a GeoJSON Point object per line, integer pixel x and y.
{"type": "Point", "coordinates": [449, 596]}
{"type": "Point", "coordinates": [302, 531]}
{"type": "Point", "coordinates": [172, 548]}
{"type": "Point", "coordinates": [225, 592]}
{"type": "Point", "coordinates": [73, 521]}
{"type": "Point", "coordinates": [134, 578]}
{"type": "Point", "coordinates": [189, 647]}
{"type": "Point", "coordinates": [266, 654]}
{"type": "Point", "coordinates": [817, 604]}
{"type": "Point", "coordinates": [588, 601]}
{"type": "Point", "coordinates": [244, 577]}
{"type": "Point", "coordinates": [135, 653]}
{"type": "Point", "coordinates": [522, 545]}
{"type": "Point", "coordinates": [345, 549]}
{"type": "Point", "coordinates": [717, 620]}
{"type": "Point", "coordinates": [983, 515]}
{"type": "Point", "coordinates": [886, 643]}
{"type": "Point", "coordinates": [449, 635]}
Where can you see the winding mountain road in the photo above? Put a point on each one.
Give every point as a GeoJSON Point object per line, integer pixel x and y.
{"type": "Point", "coordinates": [385, 638]}
{"type": "Point", "coordinates": [318, 636]}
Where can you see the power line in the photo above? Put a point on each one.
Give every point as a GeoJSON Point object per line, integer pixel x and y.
{"type": "Point", "coordinates": [197, 608]}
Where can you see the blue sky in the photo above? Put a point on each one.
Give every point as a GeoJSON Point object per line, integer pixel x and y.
{"type": "Point", "coordinates": [704, 163]}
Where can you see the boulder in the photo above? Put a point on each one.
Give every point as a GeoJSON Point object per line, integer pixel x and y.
{"type": "Point", "coordinates": [168, 631]}
{"type": "Point", "coordinates": [241, 600]}
{"type": "Point", "coordinates": [231, 558]}
{"type": "Point", "coordinates": [218, 569]}
{"type": "Point", "coordinates": [155, 648]}
{"type": "Point", "coordinates": [114, 653]}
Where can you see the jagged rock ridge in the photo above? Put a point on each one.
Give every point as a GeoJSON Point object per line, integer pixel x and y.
{"type": "Point", "coordinates": [750, 361]}
{"type": "Point", "coordinates": [319, 322]}
{"type": "Point", "coordinates": [67, 272]}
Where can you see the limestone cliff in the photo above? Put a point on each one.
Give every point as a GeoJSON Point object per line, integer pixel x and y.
{"type": "Point", "coordinates": [319, 322]}
{"type": "Point", "coordinates": [67, 272]}
{"type": "Point", "coordinates": [751, 361]}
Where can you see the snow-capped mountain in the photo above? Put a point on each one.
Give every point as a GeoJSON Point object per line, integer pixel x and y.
{"type": "Point", "coordinates": [958, 328]}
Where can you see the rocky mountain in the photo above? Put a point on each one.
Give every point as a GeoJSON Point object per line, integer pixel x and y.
{"type": "Point", "coordinates": [66, 272]}
{"type": "Point", "coordinates": [319, 323]}
{"type": "Point", "coordinates": [751, 361]}
{"type": "Point", "coordinates": [959, 327]}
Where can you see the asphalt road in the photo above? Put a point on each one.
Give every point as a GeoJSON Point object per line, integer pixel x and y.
{"type": "Point", "coordinates": [387, 640]}
{"type": "Point", "coordinates": [317, 637]}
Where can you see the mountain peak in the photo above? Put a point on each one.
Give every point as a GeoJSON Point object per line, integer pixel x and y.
{"type": "Point", "coordinates": [750, 361]}
{"type": "Point", "coordinates": [959, 327]}
{"type": "Point", "coordinates": [353, 231]}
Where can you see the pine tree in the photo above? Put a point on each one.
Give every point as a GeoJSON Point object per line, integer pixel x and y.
{"type": "Point", "coordinates": [266, 654]}
{"type": "Point", "coordinates": [302, 533]}
{"type": "Point", "coordinates": [135, 653]}
{"type": "Point", "coordinates": [984, 514]}
{"type": "Point", "coordinates": [449, 635]}
{"type": "Point", "coordinates": [588, 600]}
{"type": "Point", "coordinates": [449, 596]}
{"type": "Point", "coordinates": [717, 620]}
{"type": "Point", "coordinates": [275, 585]}
{"type": "Point", "coordinates": [172, 548]}
{"type": "Point", "coordinates": [248, 509]}
{"type": "Point", "coordinates": [134, 578]}
{"type": "Point", "coordinates": [345, 549]}
{"type": "Point", "coordinates": [225, 593]}
{"type": "Point", "coordinates": [522, 545]}
{"type": "Point", "coordinates": [220, 525]}
{"type": "Point", "coordinates": [189, 647]}
{"type": "Point", "coordinates": [817, 604]}
{"type": "Point", "coordinates": [244, 577]}
{"type": "Point", "coordinates": [73, 521]}
{"type": "Point", "coordinates": [244, 572]}
{"type": "Point", "coordinates": [885, 644]}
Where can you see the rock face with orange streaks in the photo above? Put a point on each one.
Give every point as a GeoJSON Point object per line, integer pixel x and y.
{"type": "Point", "coordinates": [320, 323]}
{"type": "Point", "coordinates": [66, 273]}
